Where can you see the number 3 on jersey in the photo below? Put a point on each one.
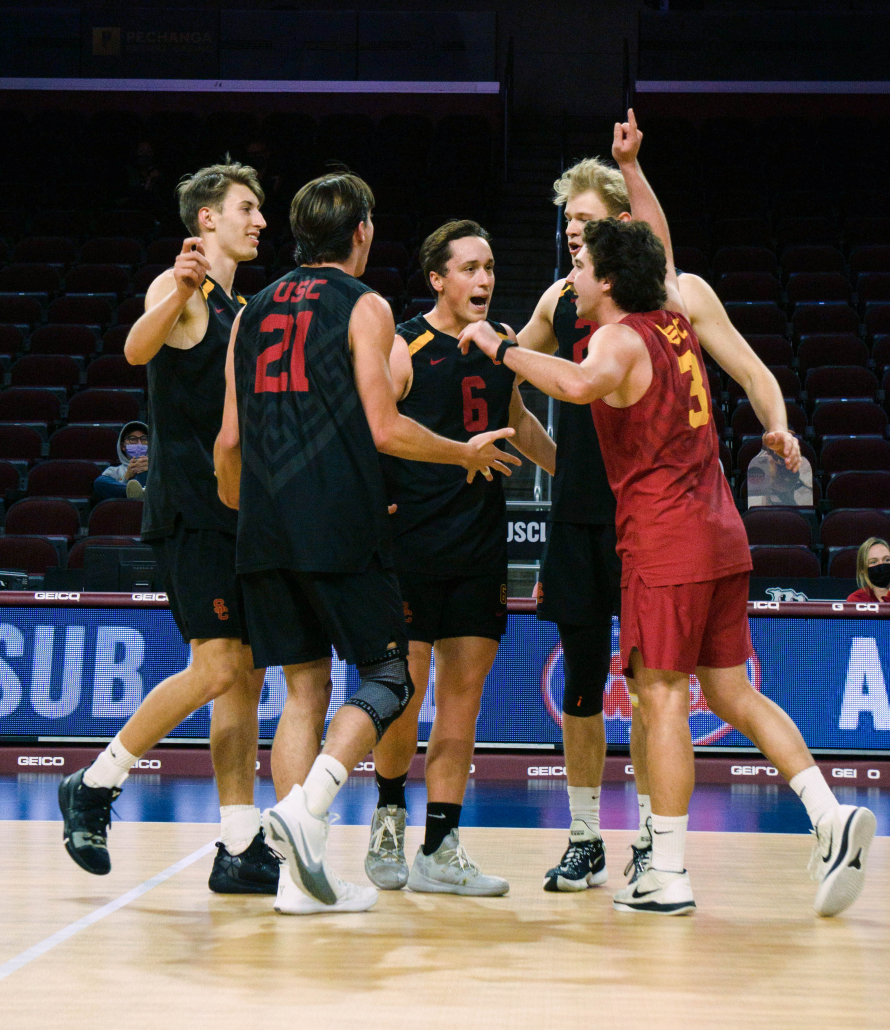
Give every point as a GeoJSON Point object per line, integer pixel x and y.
{"type": "Point", "coordinates": [689, 363]}
{"type": "Point", "coordinates": [292, 379]}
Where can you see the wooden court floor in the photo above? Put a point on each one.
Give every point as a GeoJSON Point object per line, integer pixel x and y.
{"type": "Point", "coordinates": [754, 955]}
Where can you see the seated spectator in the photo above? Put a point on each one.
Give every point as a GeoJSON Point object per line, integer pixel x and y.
{"type": "Point", "coordinates": [128, 478]}
{"type": "Point", "coordinates": [872, 571]}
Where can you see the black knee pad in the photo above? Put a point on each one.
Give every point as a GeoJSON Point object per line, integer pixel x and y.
{"type": "Point", "coordinates": [586, 658]}
{"type": "Point", "coordinates": [385, 688]}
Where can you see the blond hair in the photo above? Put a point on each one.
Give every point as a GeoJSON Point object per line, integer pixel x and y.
{"type": "Point", "coordinates": [596, 175]}
{"type": "Point", "coordinates": [862, 561]}
{"type": "Point", "coordinates": [208, 188]}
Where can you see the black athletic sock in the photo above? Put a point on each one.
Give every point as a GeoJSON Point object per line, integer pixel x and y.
{"type": "Point", "coordinates": [441, 819]}
{"type": "Point", "coordinates": [392, 791]}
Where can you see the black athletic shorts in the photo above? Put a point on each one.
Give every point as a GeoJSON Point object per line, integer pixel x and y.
{"type": "Point", "coordinates": [464, 606]}
{"type": "Point", "coordinates": [580, 581]}
{"type": "Point", "coordinates": [294, 617]}
{"type": "Point", "coordinates": [197, 568]}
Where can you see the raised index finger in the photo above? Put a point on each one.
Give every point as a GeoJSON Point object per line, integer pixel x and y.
{"type": "Point", "coordinates": [631, 119]}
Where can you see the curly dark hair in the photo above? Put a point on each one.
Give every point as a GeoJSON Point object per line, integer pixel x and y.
{"type": "Point", "coordinates": [631, 257]}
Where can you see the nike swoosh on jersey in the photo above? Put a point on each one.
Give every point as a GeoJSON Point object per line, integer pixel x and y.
{"type": "Point", "coordinates": [436, 362]}
{"type": "Point", "coordinates": [219, 311]}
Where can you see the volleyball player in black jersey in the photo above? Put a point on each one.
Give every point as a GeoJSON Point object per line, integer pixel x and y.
{"type": "Point", "coordinates": [183, 337]}
{"type": "Point", "coordinates": [580, 575]}
{"type": "Point", "coordinates": [450, 552]}
{"type": "Point", "coordinates": [309, 404]}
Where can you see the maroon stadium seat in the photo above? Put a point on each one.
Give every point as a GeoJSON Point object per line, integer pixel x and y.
{"type": "Point", "coordinates": [81, 309]}
{"type": "Point", "coordinates": [113, 370]}
{"type": "Point", "coordinates": [792, 562]}
{"type": "Point", "coordinates": [26, 404]}
{"type": "Point", "coordinates": [777, 526]}
{"type": "Point", "coordinates": [132, 309]}
{"type": "Point", "coordinates": [818, 286]}
{"type": "Point", "coordinates": [61, 222]}
{"type": "Point", "coordinates": [859, 489]}
{"type": "Point", "coordinates": [871, 288]}
{"type": "Point", "coordinates": [842, 562]}
{"type": "Point", "coordinates": [46, 370]}
{"type": "Point", "coordinates": [772, 349]}
{"type": "Point", "coordinates": [417, 306]}
{"type": "Point", "coordinates": [788, 380]}
{"type": "Point", "coordinates": [848, 418]}
{"type": "Point", "coordinates": [11, 339]}
{"type": "Point", "coordinates": [819, 349]}
{"type": "Point", "coordinates": [9, 477]}
{"type": "Point", "coordinates": [743, 259]}
{"type": "Point", "coordinates": [63, 478]}
{"type": "Point", "coordinates": [759, 318]}
{"type": "Point", "coordinates": [864, 231]}
{"type": "Point", "coordinates": [746, 286]}
{"type": "Point", "coordinates": [811, 259]}
{"type": "Point", "coordinates": [125, 223]}
{"type": "Point", "coordinates": [76, 555]}
{"type": "Point", "coordinates": [95, 443]}
{"type": "Point", "coordinates": [870, 259]}
{"type": "Point", "coordinates": [53, 250]}
{"type": "Point", "coordinates": [47, 516]}
{"type": "Point", "coordinates": [848, 527]}
{"type": "Point", "coordinates": [30, 278]}
{"type": "Point", "coordinates": [828, 317]}
{"type": "Point", "coordinates": [417, 284]}
{"type": "Point", "coordinates": [792, 232]}
{"type": "Point", "coordinates": [35, 554]}
{"type": "Point", "coordinates": [384, 280]}
{"type": "Point", "coordinates": [116, 517]}
{"type": "Point", "coordinates": [19, 443]}
{"type": "Point", "coordinates": [877, 320]}
{"type": "Point", "coordinates": [64, 339]}
{"type": "Point", "coordinates": [854, 453]}
{"type": "Point", "coordinates": [20, 309]}
{"type": "Point", "coordinates": [113, 341]}
{"type": "Point", "coordinates": [745, 423]}
{"type": "Point", "coordinates": [841, 381]}
{"type": "Point", "coordinates": [103, 406]}
{"type": "Point", "coordinates": [145, 276]}
{"type": "Point", "coordinates": [112, 250]}
{"type": "Point", "coordinates": [98, 279]}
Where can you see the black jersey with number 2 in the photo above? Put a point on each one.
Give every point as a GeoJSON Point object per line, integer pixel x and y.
{"type": "Point", "coordinates": [445, 526]}
{"type": "Point", "coordinates": [186, 394]}
{"type": "Point", "coordinates": [581, 491]}
{"type": "Point", "coordinates": [312, 494]}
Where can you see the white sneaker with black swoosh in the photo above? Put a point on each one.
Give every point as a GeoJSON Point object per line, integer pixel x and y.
{"type": "Point", "coordinates": [351, 897]}
{"type": "Point", "coordinates": [837, 864]}
{"type": "Point", "coordinates": [302, 839]}
{"type": "Point", "coordinates": [665, 894]}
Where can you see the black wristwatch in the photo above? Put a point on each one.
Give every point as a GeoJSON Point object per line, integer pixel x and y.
{"type": "Point", "coordinates": [499, 354]}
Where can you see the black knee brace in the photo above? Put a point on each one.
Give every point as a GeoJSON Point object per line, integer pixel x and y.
{"type": "Point", "coordinates": [586, 658]}
{"type": "Point", "coordinates": [385, 688]}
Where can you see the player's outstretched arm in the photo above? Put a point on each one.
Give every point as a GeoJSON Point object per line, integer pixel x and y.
{"type": "Point", "coordinates": [538, 334]}
{"type": "Point", "coordinates": [731, 351]}
{"type": "Point", "coordinates": [371, 335]}
{"type": "Point", "coordinates": [227, 448]}
{"type": "Point", "coordinates": [531, 438]}
{"type": "Point", "coordinates": [612, 351]}
{"type": "Point", "coordinates": [167, 304]}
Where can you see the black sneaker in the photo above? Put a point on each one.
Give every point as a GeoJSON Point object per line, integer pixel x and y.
{"type": "Point", "coordinates": [87, 814]}
{"type": "Point", "coordinates": [254, 871]}
{"type": "Point", "coordinates": [582, 866]}
{"type": "Point", "coordinates": [640, 860]}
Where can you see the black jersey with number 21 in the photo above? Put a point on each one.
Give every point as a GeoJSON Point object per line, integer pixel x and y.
{"type": "Point", "coordinates": [445, 526]}
{"type": "Point", "coordinates": [312, 494]}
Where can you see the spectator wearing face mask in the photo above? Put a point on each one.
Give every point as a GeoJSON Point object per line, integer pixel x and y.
{"type": "Point", "coordinates": [873, 571]}
{"type": "Point", "coordinates": [128, 478]}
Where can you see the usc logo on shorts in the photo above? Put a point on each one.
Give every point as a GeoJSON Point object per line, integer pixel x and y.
{"type": "Point", "coordinates": [503, 593]}
{"type": "Point", "coordinates": [406, 611]}
{"type": "Point", "coordinates": [222, 612]}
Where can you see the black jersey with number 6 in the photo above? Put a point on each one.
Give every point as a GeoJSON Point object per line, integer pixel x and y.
{"type": "Point", "coordinates": [312, 494]}
{"type": "Point", "coordinates": [445, 526]}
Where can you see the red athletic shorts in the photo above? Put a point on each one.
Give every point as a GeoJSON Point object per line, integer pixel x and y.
{"type": "Point", "coordinates": [684, 626]}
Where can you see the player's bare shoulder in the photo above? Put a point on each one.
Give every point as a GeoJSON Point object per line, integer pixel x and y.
{"type": "Point", "coordinates": [371, 320]}
{"type": "Point", "coordinates": [191, 325]}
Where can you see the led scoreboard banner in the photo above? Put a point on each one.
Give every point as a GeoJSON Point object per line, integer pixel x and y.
{"type": "Point", "coordinates": [74, 667]}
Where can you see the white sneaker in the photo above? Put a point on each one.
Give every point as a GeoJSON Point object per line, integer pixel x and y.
{"type": "Point", "coordinates": [302, 839]}
{"type": "Point", "coordinates": [351, 897]}
{"type": "Point", "coordinates": [666, 894]}
{"type": "Point", "coordinates": [838, 861]}
{"type": "Point", "coordinates": [385, 864]}
{"type": "Point", "coordinates": [450, 870]}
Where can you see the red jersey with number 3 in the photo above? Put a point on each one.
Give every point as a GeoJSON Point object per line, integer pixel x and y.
{"type": "Point", "coordinates": [676, 521]}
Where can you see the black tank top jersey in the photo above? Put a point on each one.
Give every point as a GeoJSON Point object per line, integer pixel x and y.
{"type": "Point", "coordinates": [445, 526]}
{"type": "Point", "coordinates": [312, 494]}
{"type": "Point", "coordinates": [581, 491]}
{"type": "Point", "coordinates": [186, 395]}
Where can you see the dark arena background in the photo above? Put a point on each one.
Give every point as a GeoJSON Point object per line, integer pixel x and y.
{"type": "Point", "coordinates": [767, 140]}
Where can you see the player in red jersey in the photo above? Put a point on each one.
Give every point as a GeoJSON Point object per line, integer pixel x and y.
{"type": "Point", "coordinates": [684, 553]}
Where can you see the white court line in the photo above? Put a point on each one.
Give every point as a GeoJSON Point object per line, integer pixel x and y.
{"type": "Point", "coordinates": [81, 924]}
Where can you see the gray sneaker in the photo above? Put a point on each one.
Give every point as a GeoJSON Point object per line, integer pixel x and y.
{"type": "Point", "coordinates": [450, 870]}
{"type": "Point", "coordinates": [135, 490]}
{"type": "Point", "coordinates": [385, 862]}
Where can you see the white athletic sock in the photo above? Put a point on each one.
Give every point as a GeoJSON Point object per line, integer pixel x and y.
{"type": "Point", "coordinates": [112, 767]}
{"type": "Point", "coordinates": [584, 804]}
{"type": "Point", "coordinates": [645, 806]}
{"type": "Point", "coordinates": [669, 842]}
{"type": "Point", "coordinates": [239, 824]}
{"type": "Point", "coordinates": [325, 779]}
{"type": "Point", "coordinates": [814, 792]}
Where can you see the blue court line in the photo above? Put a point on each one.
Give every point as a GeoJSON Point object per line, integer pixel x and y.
{"type": "Point", "coordinates": [16, 963]}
